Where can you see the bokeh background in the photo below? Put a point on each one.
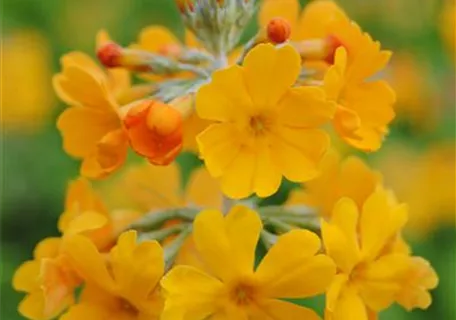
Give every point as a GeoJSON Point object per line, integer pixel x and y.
{"type": "Point", "coordinates": [417, 160]}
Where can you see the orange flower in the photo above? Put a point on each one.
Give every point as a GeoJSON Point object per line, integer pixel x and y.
{"type": "Point", "coordinates": [91, 127]}
{"type": "Point", "coordinates": [50, 280]}
{"type": "Point", "coordinates": [155, 131]}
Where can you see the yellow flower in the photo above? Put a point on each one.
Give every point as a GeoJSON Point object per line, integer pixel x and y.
{"type": "Point", "coordinates": [350, 178]}
{"type": "Point", "coordinates": [26, 94]}
{"type": "Point", "coordinates": [367, 280]}
{"type": "Point", "coordinates": [54, 279]}
{"type": "Point", "coordinates": [233, 289]}
{"type": "Point", "coordinates": [145, 187]}
{"type": "Point", "coordinates": [364, 108]}
{"type": "Point", "coordinates": [125, 288]}
{"type": "Point", "coordinates": [266, 128]}
{"type": "Point", "coordinates": [37, 304]}
{"type": "Point", "coordinates": [91, 127]}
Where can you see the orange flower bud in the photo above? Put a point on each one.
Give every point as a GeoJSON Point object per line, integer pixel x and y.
{"type": "Point", "coordinates": [110, 54]}
{"type": "Point", "coordinates": [184, 4]}
{"type": "Point", "coordinates": [155, 131]}
{"type": "Point", "coordinates": [278, 30]}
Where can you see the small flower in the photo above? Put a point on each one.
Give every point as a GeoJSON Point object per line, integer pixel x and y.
{"type": "Point", "coordinates": [126, 288]}
{"type": "Point", "coordinates": [50, 280]}
{"type": "Point", "coordinates": [364, 108]}
{"type": "Point", "coordinates": [91, 127]}
{"type": "Point", "coordinates": [38, 304]}
{"type": "Point", "coordinates": [367, 280]}
{"type": "Point", "coordinates": [154, 130]}
{"type": "Point", "coordinates": [233, 289]}
{"type": "Point", "coordinates": [350, 178]}
{"type": "Point", "coordinates": [266, 128]}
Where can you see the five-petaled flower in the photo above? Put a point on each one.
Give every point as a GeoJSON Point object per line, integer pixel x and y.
{"type": "Point", "coordinates": [266, 128]}
{"type": "Point", "coordinates": [232, 289]}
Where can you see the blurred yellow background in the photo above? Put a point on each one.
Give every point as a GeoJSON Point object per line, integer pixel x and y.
{"type": "Point", "coordinates": [417, 160]}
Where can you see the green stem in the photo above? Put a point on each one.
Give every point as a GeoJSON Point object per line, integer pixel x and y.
{"type": "Point", "coordinates": [156, 219]}
{"type": "Point", "coordinates": [268, 238]}
{"type": "Point", "coordinates": [162, 234]}
{"type": "Point", "coordinates": [173, 248]}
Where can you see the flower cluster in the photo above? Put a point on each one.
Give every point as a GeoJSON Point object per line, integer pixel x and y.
{"type": "Point", "coordinates": [152, 244]}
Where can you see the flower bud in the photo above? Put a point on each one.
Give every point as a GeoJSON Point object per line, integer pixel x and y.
{"type": "Point", "coordinates": [154, 130]}
{"type": "Point", "coordinates": [110, 54]}
{"type": "Point", "coordinates": [278, 30]}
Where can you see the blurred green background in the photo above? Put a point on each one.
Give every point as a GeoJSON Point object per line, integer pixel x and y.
{"type": "Point", "coordinates": [417, 160]}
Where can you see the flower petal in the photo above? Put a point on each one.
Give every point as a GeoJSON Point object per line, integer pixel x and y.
{"type": "Point", "coordinates": [219, 144]}
{"type": "Point", "coordinates": [290, 269]}
{"type": "Point", "coordinates": [350, 306]}
{"type": "Point", "coordinates": [298, 151]}
{"type": "Point", "coordinates": [270, 72]}
{"type": "Point", "coordinates": [137, 268]}
{"type": "Point", "coordinates": [211, 240]}
{"type": "Point", "coordinates": [282, 310]}
{"type": "Point", "coordinates": [85, 222]}
{"type": "Point", "coordinates": [85, 311]}
{"type": "Point", "coordinates": [87, 261]}
{"type": "Point", "coordinates": [238, 178]}
{"type": "Point", "coordinates": [203, 190]}
{"type": "Point", "coordinates": [287, 9]}
{"type": "Point", "coordinates": [190, 293]}
{"type": "Point", "coordinates": [82, 128]}
{"type": "Point", "coordinates": [243, 227]}
{"type": "Point", "coordinates": [305, 107]}
{"type": "Point", "coordinates": [26, 276]}
{"type": "Point", "coordinates": [225, 98]}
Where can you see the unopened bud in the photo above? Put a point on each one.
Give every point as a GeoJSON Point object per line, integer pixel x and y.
{"type": "Point", "coordinates": [278, 30]}
{"type": "Point", "coordinates": [110, 54]}
{"type": "Point", "coordinates": [185, 5]}
{"type": "Point", "coordinates": [155, 131]}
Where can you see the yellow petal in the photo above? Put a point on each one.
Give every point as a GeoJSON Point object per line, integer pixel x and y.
{"type": "Point", "coordinates": [334, 291]}
{"type": "Point", "coordinates": [80, 142]}
{"type": "Point", "coordinates": [213, 244]}
{"type": "Point", "coordinates": [268, 177]}
{"type": "Point", "coordinates": [305, 107]}
{"type": "Point", "coordinates": [358, 180]}
{"type": "Point", "coordinates": [87, 261]}
{"type": "Point", "coordinates": [203, 190]}
{"type": "Point", "coordinates": [340, 236]}
{"type": "Point", "coordinates": [350, 306]}
{"type": "Point", "coordinates": [225, 98]}
{"type": "Point", "coordinates": [290, 269]}
{"type": "Point", "coordinates": [380, 221]}
{"type": "Point", "coordinates": [85, 222]}
{"type": "Point", "coordinates": [190, 294]}
{"type": "Point", "coordinates": [270, 72]}
{"type": "Point", "coordinates": [82, 86]}
{"type": "Point", "coordinates": [316, 17]}
{"type": "Point", "coordinates": [85, 311]}
{"type": "Point", "coordinates": [32, 307]}
{"type": "Point", "coordinates": [243, 227]}
{"type": "Point", "coordinates": [297, 152]}
{"type": "Point", "coordinates": [137, 268]}
{"type": "Point", "coordinates": [282, 310]}
{"type": "Point", "coordinates": [238, 178]}
{"type": "Point", "coordinates": [47, 248]}
{"type": "Point", "coordinates": [154, 38]}
{"type": "Point", "coordinates": [219, 144]}
{"type": "Point", "coordinates": [26, 276]}
{"type": "Point", "coordinates": [334, 79]}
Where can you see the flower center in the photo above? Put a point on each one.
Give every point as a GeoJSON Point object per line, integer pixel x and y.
{"type": "Point", "coordinates": [243, 294]}
{"type": "Point", "coordinates": [260, 124]}
{"type": "Point", "coordinates": [127, 307]}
